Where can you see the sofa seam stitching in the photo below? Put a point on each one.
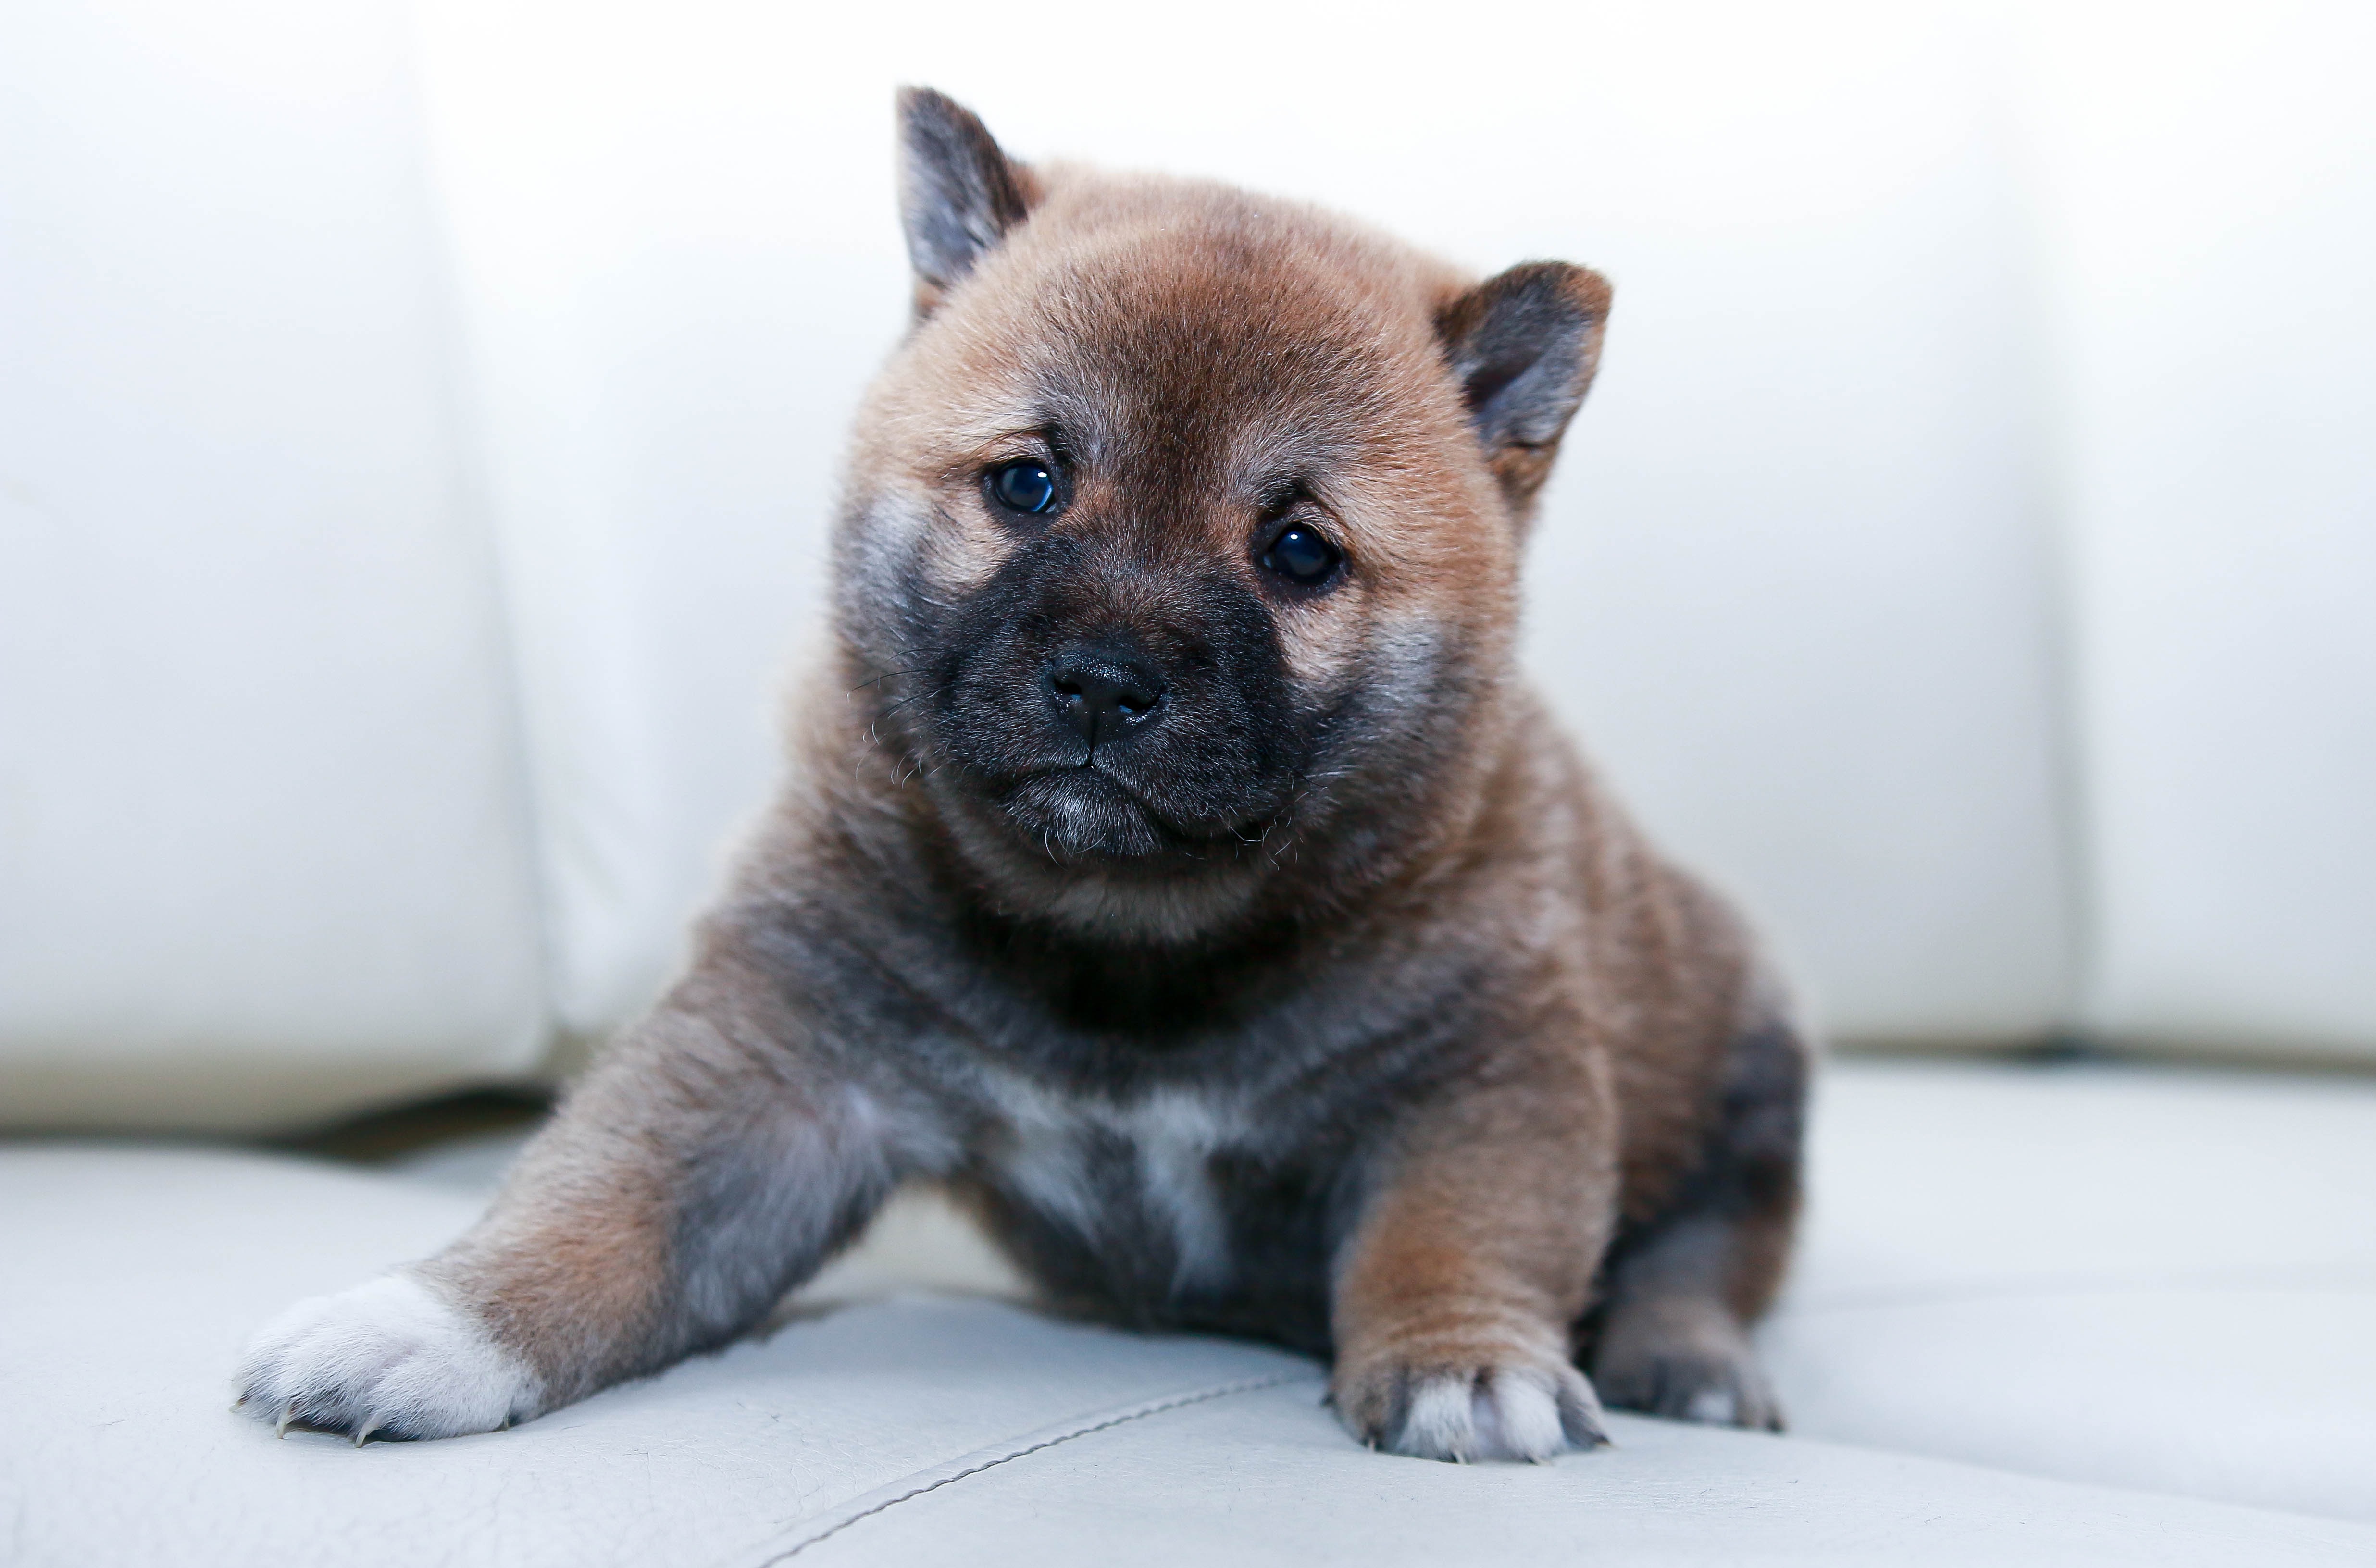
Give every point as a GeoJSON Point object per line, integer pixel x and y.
{"type": "Point", "coordinates": [1138, 1412]}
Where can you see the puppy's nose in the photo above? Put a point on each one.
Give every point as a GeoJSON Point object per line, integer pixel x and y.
{"type": "Point", "coordinates": [1102, 693]}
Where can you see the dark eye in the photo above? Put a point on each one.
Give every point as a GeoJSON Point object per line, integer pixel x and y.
{"type": "Point", "coordinates": [1301, 556]}
{"type": "Point", "coordinates": [1024, 485]}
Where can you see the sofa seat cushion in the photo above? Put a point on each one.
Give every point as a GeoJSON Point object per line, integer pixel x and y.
{"type": "Point", "coordinates": [2133, 1276]}
{"type": "Point", "coordinates": [1266, 1478]}
{"type": "Point", "coordinates": [895, 1431]}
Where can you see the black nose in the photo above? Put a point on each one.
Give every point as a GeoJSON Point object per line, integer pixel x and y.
{"type": "Point", "coordinates": [1102, 693]}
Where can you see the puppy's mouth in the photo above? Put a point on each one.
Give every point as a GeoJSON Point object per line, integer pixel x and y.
{"type": "Point", "coordinates": [1083, 812]}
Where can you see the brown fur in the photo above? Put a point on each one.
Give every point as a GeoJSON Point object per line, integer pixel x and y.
{"type": "Point", "coordinates": [1347, 1010]}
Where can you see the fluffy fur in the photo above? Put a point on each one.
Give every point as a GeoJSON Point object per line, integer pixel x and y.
{"type": "Point", "coordinates": [1322, 995]}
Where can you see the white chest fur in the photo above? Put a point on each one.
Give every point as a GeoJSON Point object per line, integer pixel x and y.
{"type": "Point", "coordinates": [1172, 1135]}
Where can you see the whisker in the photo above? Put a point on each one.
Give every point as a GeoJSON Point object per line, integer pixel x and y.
{"type": "Point", "coordinates": [886, 676]}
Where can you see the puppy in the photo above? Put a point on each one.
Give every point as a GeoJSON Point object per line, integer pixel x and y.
{"type": "Point", "coordinates": [1177, 867]}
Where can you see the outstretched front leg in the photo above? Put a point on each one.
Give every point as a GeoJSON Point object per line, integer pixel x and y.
{"type": "Point", "coordinates": [712, 1161]}
{"type": "Point", "coordinates": [1471, 1260]}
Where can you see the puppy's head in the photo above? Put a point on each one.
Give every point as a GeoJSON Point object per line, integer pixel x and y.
{"type": "Point", "coordinates": [1181, 544]}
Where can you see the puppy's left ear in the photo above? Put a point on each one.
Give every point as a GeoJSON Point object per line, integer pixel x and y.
{"type": "Point", "coordinates": [958, 194]}
{"type": "Point", "coordinates": [1523, 345]}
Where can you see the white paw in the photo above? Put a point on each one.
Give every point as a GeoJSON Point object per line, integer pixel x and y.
{"type": "Point", "coordinates": [1501, 1413]}
{"type": "Point", "coordinates": [390, 1358]}
{"type": "Point", "coordinates": [1519, 1409]}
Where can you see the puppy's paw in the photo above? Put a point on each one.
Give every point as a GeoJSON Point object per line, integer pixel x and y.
{"type": "Point", "coordinates": [1503, 1407]}
{"type": "Point", "coordinates": [1690, 1362]}
{"type": "Point", "coordinates": [391, 1358]}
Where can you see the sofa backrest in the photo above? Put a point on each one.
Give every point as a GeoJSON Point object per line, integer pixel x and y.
{"type": "Point", "coordinates": [2211, 226]}
{"type": "Point", "coordinates": [427, 419]}
{"type": "Point", "coordinates": [265, 846]}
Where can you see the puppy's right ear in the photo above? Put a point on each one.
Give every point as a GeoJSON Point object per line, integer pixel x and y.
{"type": "Point", "coordinates": [1523, 345]}
{"type": "Point", "coordinates": [958, 194]}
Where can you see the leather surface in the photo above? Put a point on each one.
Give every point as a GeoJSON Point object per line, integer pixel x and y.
{"type": "Point", "coordinates": [899, 1432]}
{"type": "Point", "coordinates": [155, 1265]}
{"type": "Point", "coordinates": [2198, 1331]}
{"type": "Point", "coordinates": [1266, 1478]}
{"type": "Point", "coordinates": [2139, 1277]}
{"type": "Point", "coordinates": [263, 845]}
{"type": "Point", "coordinates": [2218, 369]}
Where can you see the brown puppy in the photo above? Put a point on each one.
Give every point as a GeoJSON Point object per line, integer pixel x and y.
{"type": "Point", "coordinates": [1189, 880]}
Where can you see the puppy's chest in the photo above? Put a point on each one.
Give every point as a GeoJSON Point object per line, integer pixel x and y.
{"type": "Point", "coordinates": [1166, 1204]}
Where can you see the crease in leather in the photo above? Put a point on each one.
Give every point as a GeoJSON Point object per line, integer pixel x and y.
{"type": "Point", "coordinates": [916, 1484]}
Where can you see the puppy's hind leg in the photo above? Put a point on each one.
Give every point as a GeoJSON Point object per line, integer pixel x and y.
{"type": "Point", "coordinates": [1681, 1290]}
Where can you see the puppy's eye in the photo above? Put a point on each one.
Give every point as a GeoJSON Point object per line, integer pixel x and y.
{"type": "Point", "coordinates": [1301, 556]}
{"type": "Point", "coordinates": [1024, 485]}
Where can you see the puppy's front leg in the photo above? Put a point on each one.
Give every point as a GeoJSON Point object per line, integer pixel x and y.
{"type": "Point", "coordinates": [709, 1164]}
{"type": "Point", "coordinates": [1471, 1262]}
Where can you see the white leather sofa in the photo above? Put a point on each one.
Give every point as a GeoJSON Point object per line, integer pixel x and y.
{"type": "Point", "coordinates": [417, 426]}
